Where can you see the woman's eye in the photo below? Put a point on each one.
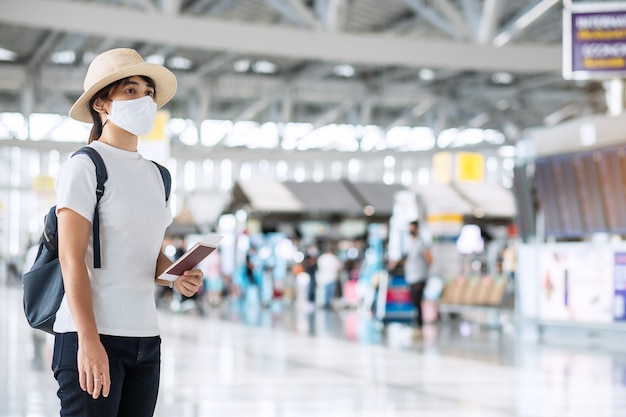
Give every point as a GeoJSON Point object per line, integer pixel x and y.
{"type": "Point", "coordinates": [150, 93]}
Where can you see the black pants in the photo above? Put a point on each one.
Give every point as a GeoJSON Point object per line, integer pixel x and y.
{"type": "Point", "coordinates": [417, 294]}
{"type": "Point", "coordinates": [134, 365]}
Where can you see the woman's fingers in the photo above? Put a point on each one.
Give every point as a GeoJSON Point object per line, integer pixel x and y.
{"type": "Point", "coordinates": [190, 282]}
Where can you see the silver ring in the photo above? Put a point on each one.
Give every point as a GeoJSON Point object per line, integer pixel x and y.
{"type": "Point", "coordinates": [97, 379]}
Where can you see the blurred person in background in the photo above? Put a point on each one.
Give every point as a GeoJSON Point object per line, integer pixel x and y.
{"type": "Point", "coordinates": [328, 268]}
{"type": "Point", "coordinates": [416, 261]}
{"type": "Point", "coordinates": [310, 267]}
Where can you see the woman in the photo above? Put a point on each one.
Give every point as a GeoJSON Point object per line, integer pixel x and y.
{"type": "Point", "coordinates": [107, 346]}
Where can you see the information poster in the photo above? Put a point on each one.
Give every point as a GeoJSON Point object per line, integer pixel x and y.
{"type": "Point", "coordinates": [594, 39]}
{"type": "Point", "coordinates": [577, 283]}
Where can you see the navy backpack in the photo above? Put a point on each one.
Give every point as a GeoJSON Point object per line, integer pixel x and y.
{"type": "Point", "coordinates": [43, 283]}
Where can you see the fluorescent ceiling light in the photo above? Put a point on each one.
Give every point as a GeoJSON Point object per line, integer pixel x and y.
{"type": "Point", "coordinates": [177, 126]}
{"type": "Point", "coordinates": [156, 59]}
{"type": "Point", "coordinates": [242, 65]}
{"type": "Point", "coordinates": [63, 57]}
{"type": "Point", "coordinates": [502, 77]}
{"type": "Point", "coordinates": [507, 151]}
{"type": "Point", "coordinates": [7, 55]}
{"type": "Point", "coordinates": [426, 74]}
{"type": "Point", "coordinates": [179, 62]}
{"type": "Point", "coordinates": [344, 70]}
{"type": "Point", "coordinates": [264, 67]}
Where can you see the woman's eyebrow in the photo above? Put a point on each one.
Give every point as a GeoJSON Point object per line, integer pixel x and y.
{"type": "Point", "coordinates": [127, 82]}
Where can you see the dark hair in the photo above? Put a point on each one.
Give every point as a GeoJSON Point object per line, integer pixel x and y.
{"type": "Point", "coordinates": [96, 129]}
{"type": "Point", "coordinates": [415, 223]}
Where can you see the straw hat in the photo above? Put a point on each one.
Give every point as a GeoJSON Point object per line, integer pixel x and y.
{"type": "Point", "coordinates": [113, 65]}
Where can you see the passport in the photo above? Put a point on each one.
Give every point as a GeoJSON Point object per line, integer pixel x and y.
{"type": "Point", "coordinates": [190, 259]}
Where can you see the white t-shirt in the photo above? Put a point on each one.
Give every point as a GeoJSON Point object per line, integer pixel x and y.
{"type": "Point", "coordinates": [415, 266]}
{"type": "Point", "coordinates": [328, 267]}
{"type": "Point", "coordinates": [133, 219]}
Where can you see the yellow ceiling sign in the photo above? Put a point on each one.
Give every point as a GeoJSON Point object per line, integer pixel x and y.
{"type": "Point", "coordinates": [470, 167]}
{"type": "Point", "coordinates": [442, 168]}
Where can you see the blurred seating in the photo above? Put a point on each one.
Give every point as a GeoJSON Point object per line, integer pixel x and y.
{"type": "Point", "coordinates": [482, 299]}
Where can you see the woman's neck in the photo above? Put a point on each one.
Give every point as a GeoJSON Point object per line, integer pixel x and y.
{"type": "Point", "coordinates": [119, 138]}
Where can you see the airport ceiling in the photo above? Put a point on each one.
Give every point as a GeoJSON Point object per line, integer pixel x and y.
{"type": "Point", "coordinates": [492, 64]}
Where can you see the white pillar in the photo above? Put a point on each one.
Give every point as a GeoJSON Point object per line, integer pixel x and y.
{"type": "Point", "coordinates": [614, 90]}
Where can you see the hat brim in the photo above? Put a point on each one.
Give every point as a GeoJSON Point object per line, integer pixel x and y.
{"type": "Point", "coordinates": [164, 80]}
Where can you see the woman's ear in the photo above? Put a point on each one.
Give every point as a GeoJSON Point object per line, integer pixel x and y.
{"type": "Point", "coordinates": [98, 105]}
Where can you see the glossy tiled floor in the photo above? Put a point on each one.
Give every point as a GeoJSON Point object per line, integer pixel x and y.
{"type": "Point", "coordinates": [294, 362]}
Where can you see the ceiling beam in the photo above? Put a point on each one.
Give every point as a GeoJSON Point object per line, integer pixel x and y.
{"type": "Point", "coordinates": [171, 7]}
{"type": "Point", "coordinates": [295, 12]}
{"type": "Point", "coordinates": [249, 87]}
{"type": "Point", "coordinates": [196, 7]}
{"type": "Point", "coordinates": [523, 20]}
{"type": "Point", "coordinates": [247, 38]}
{"type": "Point", "coordinates": [332, 113]}
{"type": "Point", "coordinates": [146, 5]}
{"type": "Point", "coordinates": [195, 153]}
{"type": "Point", "coordinates": [331, 13]}
{"type": "Point", "coordinates": [230, 86]}
{"type": "Point", "coordinates": [43, 50]}
{"type": "Point", "coordinates": [212, 7]}
{"type": "Point", "coordinates": [308, 75]}
{"type": "Point", "coordinates": [222, 7]}
{"type": "Point", "coordinates": [215, 63]}
{"type": "Point", "coordinates": [454, 16]}
{"type": "Point", "coordinates": [471, 12]}
{"type": "Point", "coordinates": [489, 21]}
{"type": "Point", "coordinates": [424, 105]}
{"type": "Point", "coordinates": [566, 112]}
{"type": "Point", "coordinates": [433, 17]}
{"type": "Point", "coordinates": [305, 13]}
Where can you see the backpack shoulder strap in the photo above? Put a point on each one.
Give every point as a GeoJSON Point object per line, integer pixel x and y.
{"type": "Point", "coordinates": [101, 169]}
{"type": "Point", "coordinates": [167, 179]}
{"type": "Point", "coordinates": [101, 177]}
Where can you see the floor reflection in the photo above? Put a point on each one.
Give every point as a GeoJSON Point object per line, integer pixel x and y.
{"type": "Point", "coordinates": [294, 360]}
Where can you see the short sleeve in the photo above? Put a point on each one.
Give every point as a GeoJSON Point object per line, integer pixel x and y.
{"type": "Point", "coordinates": [76, 186]}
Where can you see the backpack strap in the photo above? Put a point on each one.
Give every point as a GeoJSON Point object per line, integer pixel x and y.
{"type": "Point", "coordinates": [101, 177]}
{"type": "Point", "coordinates": [167, 179]}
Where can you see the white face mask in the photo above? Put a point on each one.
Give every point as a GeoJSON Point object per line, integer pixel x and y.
{"type": "Point", "coordinates": [135, 116]}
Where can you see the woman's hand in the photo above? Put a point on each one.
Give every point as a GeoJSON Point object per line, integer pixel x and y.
{"type": "Point", "coordinates": [93, 369]}
{"type": "Point", "coordinates": [189, 282]}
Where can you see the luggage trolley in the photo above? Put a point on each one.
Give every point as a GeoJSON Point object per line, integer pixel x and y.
{"type": "Point", "coordinates": [393, 300]}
